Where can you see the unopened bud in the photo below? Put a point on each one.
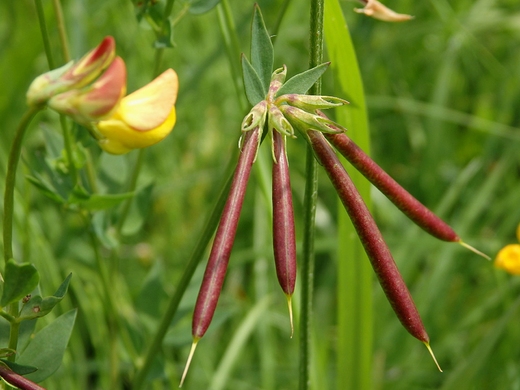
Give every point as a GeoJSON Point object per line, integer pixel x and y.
{"type": "Point", "coordinates": [256, 117]}
{"type": "Point", "coordinates": [310, 102]}
{"type": "Point", "coordinates": [305, 121]}
{"type": "Point", "coordinates": [72, 75]}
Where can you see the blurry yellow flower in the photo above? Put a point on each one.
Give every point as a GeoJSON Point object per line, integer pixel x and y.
{"type": "Point", "coordinates": [377, 10]}
{"type": "Point", "coordinates": [509, 259]}
{"type": "Point", "coordinates": [142, 118]}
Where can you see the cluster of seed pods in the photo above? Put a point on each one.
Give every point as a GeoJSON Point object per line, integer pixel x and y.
{"type": "Point", "coordinates": [282, 115]}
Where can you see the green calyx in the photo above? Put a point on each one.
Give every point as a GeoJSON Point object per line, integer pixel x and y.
{"type": "Point", "coordinates": [282, 104]}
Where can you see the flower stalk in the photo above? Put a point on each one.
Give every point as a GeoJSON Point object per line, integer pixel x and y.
{"type": "Point", "coordinates": [223, 242]}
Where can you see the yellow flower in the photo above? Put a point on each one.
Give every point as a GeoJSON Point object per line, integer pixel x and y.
{"type": "Point", "coordinates": [509, 259]}
{"type": "Point", "coordinates": [142, 118]}
{"type": "Point", "coordinates": [377, 10]}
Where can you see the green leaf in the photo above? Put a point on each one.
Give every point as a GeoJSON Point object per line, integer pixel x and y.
{"type": "Point", "coordinates": [302, 82]}
{"type": "Point", "coordinates": [262, 53]}
{"type": "Point", "coordinates": [165, 38]}
{"type": "Point", "coordinates": [101, 225]}
{"type": "Point", "coordinates": [45, 188]}
{"type": "Point", "coordinates": [20, 280]}
{"type": "Point", "coordinates": [355, 279]}
{"type": "Point", "coordinates": [254, 89]}
{"type": "Point", "coordinates": [103, 202]}
{"type": "Point", "coordinates": [202, 6]}
{"type": "Point", "coordinates": [39, 307]}
{"type": "Point", "coordinates": [46, 349]}
{"type": "Point", "coordinates": [18, 368]}
{"type": "Point", "coordinates": [139, 210]}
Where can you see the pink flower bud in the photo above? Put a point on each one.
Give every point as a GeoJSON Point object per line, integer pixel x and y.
{"type": "Point", "coordinates": [72, 75]}
{"type": "Point", "coordinates": [96, 101]}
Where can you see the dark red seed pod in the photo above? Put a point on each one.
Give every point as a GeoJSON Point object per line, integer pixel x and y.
{"type": "Point", "coordinates": [284, 242]}
{"type": "Point", "coordinates": [409, 205]}
{"type": "Point", "coordinates": [380, 257]}
{"type": "Point", "coordinates": [221, 250]}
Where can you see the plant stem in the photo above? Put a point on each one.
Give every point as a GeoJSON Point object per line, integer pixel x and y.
{"type": "Point", "coordinates": [227, 27]}
{"type": "Point", "coordinates": [45, 34]}
{"type": "Point", "coordinates": [13, 337]}
{"type": "Point", "coordinates": [10, 180]}
{"type": "Point", "coordinates": [131, 187]}
{"type": "Point", "coordinates": [311, 189]}
{"type": "Point", "coordinates": [173, 305]}
{"type": "Point", "coordinates": [60, 22]}
{"type": "Point", "coordinates": [67, 139]}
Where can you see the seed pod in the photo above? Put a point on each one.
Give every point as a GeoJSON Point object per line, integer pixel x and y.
{"type": "Point", "coordinates": [409, 205]}
{"type": "Point", "coordinates": [221, 250]}
{"type": "Point", "coordinates": [380, 257]}
{"type": "Point", "coordinates": [284, 242]}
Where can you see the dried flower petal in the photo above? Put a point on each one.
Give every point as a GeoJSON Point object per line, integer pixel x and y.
{"type": "Point", "coordinates": [379, 11]}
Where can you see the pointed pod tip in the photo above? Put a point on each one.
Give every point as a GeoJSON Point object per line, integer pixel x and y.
{"type": "Point", "coordinates": [188, 362]}
{"type": "Point", "coordinates": [427, 344]}
{"type": "Point", "coordinates": [474, 250]}
{"type": "Point", "coordinates": [289, 304]}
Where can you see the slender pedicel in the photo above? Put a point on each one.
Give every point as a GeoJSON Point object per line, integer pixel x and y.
{"type": "Point", "coordinates": [284, 242]}
{"type": "Point", "coordinates": [219, 257]}
{"type": "Point", "coordinates": [380, 257]}
{"type": "Point", "coordinates": [409, 205]}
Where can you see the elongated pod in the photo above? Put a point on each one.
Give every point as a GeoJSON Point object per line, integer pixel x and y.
{"type": "Point", "coordinates": [284, 242]}
{"type": "Point", "coordinates": [409, 205]}
{"type": "Point", "coordinates": [221, 250]}
{"type": "Point", "coordinates": [380, 257]}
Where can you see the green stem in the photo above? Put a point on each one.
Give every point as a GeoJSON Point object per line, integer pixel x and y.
{"type": "Point", "coordinates": [60, 22]}
{"type": "Point", "coordinates": [13, 339]}
{"type": "Point", "coordinates": [227, 27]}
{"type": "Point", "coordinates": [67, 139]}
{"type": "Point", "coordinates": [131, 187]}
{"type": "Point", "coordinates": [311, 190]}
{"type": "Point", "coordinates": [10, 180]}
{"type": "Point", "coordinates": [183, 284]}
{"type": "Point", "coordinates": [45, 34]}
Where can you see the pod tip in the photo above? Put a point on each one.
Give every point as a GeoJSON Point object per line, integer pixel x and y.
{"type": "Point", "coordinates": [188, 362]}
{"type": "Point", "coordinates": [289, 304]}
{"type": "Point", "coordinates": [433, 356]}
{"type": "Point", "coordinates": [474, 250]}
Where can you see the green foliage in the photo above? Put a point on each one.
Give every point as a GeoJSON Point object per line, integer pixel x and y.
{"type": "Point", "coordinates": [37, 306]}
{"type": "Point", "coordinates": [262, 52]}
{"type": "Point", "coordinates": [20, 280]}
{"type": "Point", "coordinates": [302, 82]}
{"type": "Point", "coordinates": [45, 351]}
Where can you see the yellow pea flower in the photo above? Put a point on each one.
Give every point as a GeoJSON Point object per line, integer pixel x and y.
{"type": "Point", "coordinates": [142, 118]}
{"type": "Point", "coordinates": [509, 259]}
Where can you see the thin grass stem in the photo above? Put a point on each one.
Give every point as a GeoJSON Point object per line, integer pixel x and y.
{"type": "Point", "coordinates": [310, 198]}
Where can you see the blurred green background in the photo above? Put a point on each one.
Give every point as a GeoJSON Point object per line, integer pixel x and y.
{"type": "Point", "coordinates": [443, 97]}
